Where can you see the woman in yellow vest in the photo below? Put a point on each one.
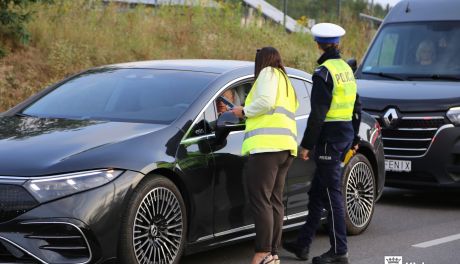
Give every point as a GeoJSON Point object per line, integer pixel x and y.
{"type": "Point", "coordinates": [271, 143]}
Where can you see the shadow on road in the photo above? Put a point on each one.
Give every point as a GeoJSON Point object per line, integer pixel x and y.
{"type": "Point", "coordinates": [429, 199]}
{"type": "Point", "coordinates": [240, 253]}
{"type": "Point", "coordinates": [400, 203]}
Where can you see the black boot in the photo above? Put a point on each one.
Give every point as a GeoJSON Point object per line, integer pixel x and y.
{"type": "Point", "coordinates": [299, 251]}
{"type": "Point", "coordinates": [331, 258]}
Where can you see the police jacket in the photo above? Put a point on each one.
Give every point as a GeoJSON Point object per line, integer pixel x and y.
{"type": "Point", "coordinates": [317, 130]}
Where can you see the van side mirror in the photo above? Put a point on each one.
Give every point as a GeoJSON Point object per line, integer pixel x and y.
{"type": "Point", "coordinates": [353, 64]}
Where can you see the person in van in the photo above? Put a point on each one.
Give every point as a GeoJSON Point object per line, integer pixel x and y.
{"type": "Point", "coordinates": [426, 53]}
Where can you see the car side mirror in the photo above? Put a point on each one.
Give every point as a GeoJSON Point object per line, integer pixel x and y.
{"type": "Point", "coordinates": [226, 123]}
{"type": "Point", "coordinates": [353, 64]}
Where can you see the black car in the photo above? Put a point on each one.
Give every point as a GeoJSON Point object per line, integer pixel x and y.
{"type": "Point", "coordinates": [409, 81]}
{"type": "Point", "coordinates": [130, 163]}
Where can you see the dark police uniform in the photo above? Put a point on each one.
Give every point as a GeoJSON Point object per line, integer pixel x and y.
{"type": "Point", "coordinates": [329, 142]}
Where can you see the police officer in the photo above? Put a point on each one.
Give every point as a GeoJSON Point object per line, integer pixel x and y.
{"type": "Point", "coordinates": [331, 131]}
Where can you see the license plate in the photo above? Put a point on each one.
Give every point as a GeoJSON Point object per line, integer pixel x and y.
{"type": "Point", "coordinates": [398, 165]}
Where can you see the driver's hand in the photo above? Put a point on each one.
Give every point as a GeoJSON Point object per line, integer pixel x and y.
{"type": "Point", "coordinates": [238, 111]}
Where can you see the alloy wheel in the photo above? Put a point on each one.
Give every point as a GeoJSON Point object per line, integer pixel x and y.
{"type": "Point", "coordinates": [158, 227]}
{"type": "Point", "coordinates": [360, 194]}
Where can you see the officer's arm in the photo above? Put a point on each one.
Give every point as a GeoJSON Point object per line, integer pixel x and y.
{"type": "Point", "coordinates": [357, 119]}
{"type": "Point", "coordinates": [321, 99]}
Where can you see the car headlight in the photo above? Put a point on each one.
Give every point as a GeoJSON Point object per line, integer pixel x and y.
{"type": "Point", "coordinates": [454, 115]}
{"type": "Point", "coordinates": [52, 187]}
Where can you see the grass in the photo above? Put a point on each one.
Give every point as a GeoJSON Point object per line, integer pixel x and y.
{"type": "Point", "coordinates": [71, 35]}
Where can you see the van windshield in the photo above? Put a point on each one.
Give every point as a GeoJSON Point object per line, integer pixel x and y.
{"type": "Point", "coordinates": [420, 50]}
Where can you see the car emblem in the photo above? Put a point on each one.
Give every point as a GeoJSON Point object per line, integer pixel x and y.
{"type": "Point", "coordinates": [390, 117]}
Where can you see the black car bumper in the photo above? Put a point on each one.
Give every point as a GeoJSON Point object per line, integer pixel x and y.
{"type": "Point", "coordinates": [439, 167]}
{"type": "Point", "coordinates": [81, 228]}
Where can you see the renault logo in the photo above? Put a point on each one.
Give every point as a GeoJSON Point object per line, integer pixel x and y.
{"type": "Point", "coordinates": [390, 117]}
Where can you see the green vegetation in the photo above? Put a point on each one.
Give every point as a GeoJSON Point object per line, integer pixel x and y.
{"type": "Point", "coordinates": [71, 35]}
{"type": "Point", "coordinates": [13, 16]}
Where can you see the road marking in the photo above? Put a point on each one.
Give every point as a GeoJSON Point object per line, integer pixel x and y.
{"type": "Point", "coordinates": [438, 241]}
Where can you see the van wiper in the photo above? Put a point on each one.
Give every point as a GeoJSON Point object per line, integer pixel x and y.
{"type": "Point", "coordinates": [388, 75]}
{"type": "Point", "coordinates": [436, 77]}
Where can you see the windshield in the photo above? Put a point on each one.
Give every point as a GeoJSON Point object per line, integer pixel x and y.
{"type": "Point", "coordinates": [415, 50]}
{"type": "Point", "coordinates": [132, 95]}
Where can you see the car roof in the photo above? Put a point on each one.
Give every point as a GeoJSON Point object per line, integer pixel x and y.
{"type": "Point", "coordinates": [199, 65]}
{"type": "Point", "coordinates": [424, 10]}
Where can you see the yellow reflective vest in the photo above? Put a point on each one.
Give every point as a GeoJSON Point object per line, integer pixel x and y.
{"type": "Point", "coordinates": [344, 92]}
{"type": "Point", "coordinates": [276, 129]}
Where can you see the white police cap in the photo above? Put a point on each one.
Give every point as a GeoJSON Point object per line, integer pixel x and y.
{"type": "Point", "coordinates": [327, 32]}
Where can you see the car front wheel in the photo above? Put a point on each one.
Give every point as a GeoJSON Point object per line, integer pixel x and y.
{"type": "Point", "coordinates": [359, 194]}
{"type": "Point", "coordinates": [153, 228]}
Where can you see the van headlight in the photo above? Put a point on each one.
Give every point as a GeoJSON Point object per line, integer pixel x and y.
{"type": "Point", "coordinates": [48, 188]}
{"type": "Point", "coordinates": [454, 115]}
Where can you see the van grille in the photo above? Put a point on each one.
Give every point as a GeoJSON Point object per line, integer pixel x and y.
{"type": "Point", "coordinates": [412, 136]}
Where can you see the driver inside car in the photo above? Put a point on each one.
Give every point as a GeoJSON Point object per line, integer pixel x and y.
{"type": "Point", "coordinates": [231, 96]}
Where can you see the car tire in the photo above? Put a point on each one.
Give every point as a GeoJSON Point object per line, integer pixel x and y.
{"type": "Point", "coordinates": [359, 194]}
{"type": "Point", "coordinates": [154, 225]}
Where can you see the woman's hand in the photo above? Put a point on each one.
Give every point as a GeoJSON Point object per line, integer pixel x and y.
{"type": "Point", "coordinates": [238, 111]}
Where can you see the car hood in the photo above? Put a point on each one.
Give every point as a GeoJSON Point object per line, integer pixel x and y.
{"type": "Point", "coordinates": [409, 96]}
{"type": "Point", "coordinates": [35, 146]}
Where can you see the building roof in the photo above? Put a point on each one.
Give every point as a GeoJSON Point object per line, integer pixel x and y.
{"type": "Point", "coordinates": [267, 9]}
{"type": "Point", "coordinates": [209, 3]}
{"type": "Point", "coordinates": [276, 15]}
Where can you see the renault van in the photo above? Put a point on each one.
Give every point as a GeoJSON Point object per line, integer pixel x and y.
{"type": "Point", "coordinates": [409, 81]}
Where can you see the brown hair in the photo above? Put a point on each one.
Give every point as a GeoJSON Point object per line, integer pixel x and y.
{"type": "Point", "coordinates": [328, 46]}
{"type": "Point", "coordinates": [268, 56]}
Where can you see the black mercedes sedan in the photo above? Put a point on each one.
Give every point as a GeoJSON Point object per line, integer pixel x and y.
{"type": "Point", "coordinates": [130, 163]}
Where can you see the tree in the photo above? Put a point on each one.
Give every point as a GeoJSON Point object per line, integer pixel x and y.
{"type": "Point", "coordinates": [13, 16]}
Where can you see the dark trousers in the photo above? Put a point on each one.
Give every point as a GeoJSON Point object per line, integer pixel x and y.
{"type": "Point", "coordinates": [326, 192]}
{"type": "Point", "coordinates": [266, 174]}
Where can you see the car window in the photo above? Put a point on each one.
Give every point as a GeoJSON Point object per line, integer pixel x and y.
{"type": "Point", "coordinates": [386, 53]}
{"type": "Point", "coordinates": [302, 95]}
{"type": "Point", "coordinates": [235, 94]}
{"type": "Point", "coordinates": [238, 93]}
{"type": "Point", "coordinates": [133, 95]}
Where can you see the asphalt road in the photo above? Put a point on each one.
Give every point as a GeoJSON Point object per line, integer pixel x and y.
{"type": "Point", "coordinates": [403, 219]}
